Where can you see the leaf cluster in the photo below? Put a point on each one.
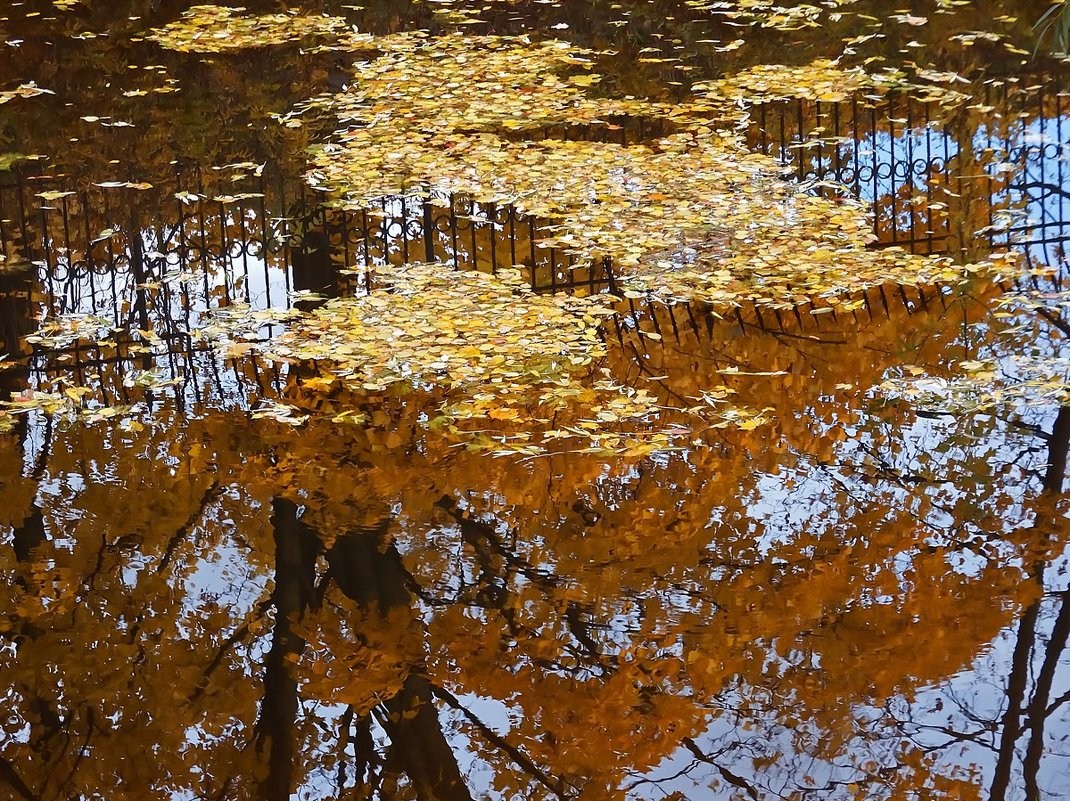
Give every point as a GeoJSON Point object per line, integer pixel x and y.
{"type": "Point", "coordinates": [220, 29]}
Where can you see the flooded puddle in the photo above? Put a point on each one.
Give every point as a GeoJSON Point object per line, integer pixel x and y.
{"type": "Point", "coordinates": [599, 486]}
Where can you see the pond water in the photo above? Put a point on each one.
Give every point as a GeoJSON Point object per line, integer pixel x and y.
{"type": "Point", "coordinates": [227, 574]}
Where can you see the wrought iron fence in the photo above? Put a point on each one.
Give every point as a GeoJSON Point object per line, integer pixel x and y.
{"type": "Point", "coordinates": [259, 243]}
{"type": "Point", "coordinates": [938, 180]}
{"type": "Point", "coordinates": [160, 257]}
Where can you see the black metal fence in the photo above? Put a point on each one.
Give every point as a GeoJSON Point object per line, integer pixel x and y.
{"type": "Point", "coordinates": [937, 182]}
{"type": "Point", "coordinates": [190, 248]}
{"type": "Point", "coordinates": [157, 259]}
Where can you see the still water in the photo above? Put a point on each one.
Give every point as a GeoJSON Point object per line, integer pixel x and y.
{"type": "Point", "coordinates": [215, 585]}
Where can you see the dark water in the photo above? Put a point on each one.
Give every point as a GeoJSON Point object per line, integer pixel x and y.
{"type": "Point", "coordinates": [867, 599]}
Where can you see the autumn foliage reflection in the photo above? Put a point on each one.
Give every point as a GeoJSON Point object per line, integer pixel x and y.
{"type": "Point", "coordinates": [366, 607]}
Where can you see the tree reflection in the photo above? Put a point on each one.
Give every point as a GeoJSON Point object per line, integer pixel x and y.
{"type": "Point", "coordinates": [372, 611]}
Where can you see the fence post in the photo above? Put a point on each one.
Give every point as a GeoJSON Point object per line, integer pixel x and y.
{"type": "Point", "coordinates": [429, 231]}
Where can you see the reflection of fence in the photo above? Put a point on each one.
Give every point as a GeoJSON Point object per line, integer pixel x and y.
{"type": "Point", "coordinates": [936, 180]}
{"type": "Point", "coordinates": [932, 178]}
{"type": "Point", "coordinates": [891, 157]}
{"type": "Point", "coordinates": [453, 230]}
{"type": "Point", "coordinates": [155, 259]}
{"type": "Point", "coordinates": [102, 250]}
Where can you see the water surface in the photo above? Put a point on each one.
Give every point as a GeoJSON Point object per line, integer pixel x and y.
{"type": "Point", "coordinates": [865, 599]}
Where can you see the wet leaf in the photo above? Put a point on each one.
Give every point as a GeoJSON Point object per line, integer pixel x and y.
{"type": "Point", "coordinates": [219, 29]}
